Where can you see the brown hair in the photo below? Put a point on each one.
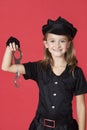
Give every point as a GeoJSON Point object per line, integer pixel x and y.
{"type": "Point", "coordinates": [69, 56]}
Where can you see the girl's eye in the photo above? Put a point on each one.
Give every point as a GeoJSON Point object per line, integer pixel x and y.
{"type": "Point", "coordinates": [52, 41]}
{"type": "Point", "coordinates": [62, 41]}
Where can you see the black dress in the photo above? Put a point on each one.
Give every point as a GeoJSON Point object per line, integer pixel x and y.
{"type": "Point", "coordinates": [54, 110]}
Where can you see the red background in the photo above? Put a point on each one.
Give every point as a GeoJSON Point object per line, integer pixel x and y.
{"type": "Point", "coordinates": [24, 19]}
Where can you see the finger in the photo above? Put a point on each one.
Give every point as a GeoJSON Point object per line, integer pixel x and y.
{"type": "Point", "coordinates": [11, 47]}
{"type": "Point", "coordinates": [14, 46]}
{"type": "Point", "coordinates": [17, 47]}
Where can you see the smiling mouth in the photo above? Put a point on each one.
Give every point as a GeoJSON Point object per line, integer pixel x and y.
{"type": "Point", "coordinates": [58, 50]}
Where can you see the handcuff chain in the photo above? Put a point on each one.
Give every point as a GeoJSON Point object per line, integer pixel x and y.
{"type": "Point", "coordinates": [17, 61]}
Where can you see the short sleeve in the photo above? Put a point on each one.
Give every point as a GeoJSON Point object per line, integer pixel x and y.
{"type": "Point", "coordinates": [30, 70]}
{"type": "Point", "coordinates": [81, 84]}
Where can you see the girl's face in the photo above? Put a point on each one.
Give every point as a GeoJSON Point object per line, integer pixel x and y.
{"type": "Point", "coordinates": [57, 44]}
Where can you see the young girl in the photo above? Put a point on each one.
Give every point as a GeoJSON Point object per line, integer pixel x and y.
{"type": "Point", "coordinates": [58, 78]}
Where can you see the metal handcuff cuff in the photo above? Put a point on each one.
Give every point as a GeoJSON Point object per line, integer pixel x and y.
{"type": "Point", "coordinates": [17, 61]}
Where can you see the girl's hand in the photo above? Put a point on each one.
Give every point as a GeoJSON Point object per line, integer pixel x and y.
{"type": "Point", "coordinates": [13, 43]}
{"type": "Point", "coordinates": [13, 46]}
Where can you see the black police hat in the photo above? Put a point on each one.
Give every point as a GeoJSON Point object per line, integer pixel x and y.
{"type": "Point", "coordinates": [60, 26]}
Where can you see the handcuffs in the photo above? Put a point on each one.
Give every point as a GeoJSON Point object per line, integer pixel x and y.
{"type": "Point", "coordinates": [17, 61]}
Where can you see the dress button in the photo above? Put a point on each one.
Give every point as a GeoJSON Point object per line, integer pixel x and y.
{"type": "Point", "coordinates": [54, 94]}
{"type": "Point", "coordinates": [56, 82]}
{"type": "Point", "coordinates": [53, 107]}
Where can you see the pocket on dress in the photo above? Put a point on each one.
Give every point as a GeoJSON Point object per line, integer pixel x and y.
{"type": "Point", "coordinates": [32, 125]}
{"type": "Point", "coordinates": [73, 125]}
{"type": "Point", "coordinates": [36, 125]}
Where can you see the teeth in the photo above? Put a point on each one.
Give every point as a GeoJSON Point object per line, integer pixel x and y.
{"type": "Point", "coordinates": [56, 50]}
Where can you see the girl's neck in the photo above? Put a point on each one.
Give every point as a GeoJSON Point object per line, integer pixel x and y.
{"type": "Point", "coordinates": [59, 67]}
{"type": "Point", "coordinates": [59, 62]}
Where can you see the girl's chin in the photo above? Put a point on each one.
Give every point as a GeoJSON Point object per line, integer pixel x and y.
{"type": "Point", "coordinates": [57, 55]}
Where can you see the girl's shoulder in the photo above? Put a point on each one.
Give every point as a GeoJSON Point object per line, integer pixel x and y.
{"type": "Point", "coordinates": [76, 68]}
{"type": "Point", "coordinates": [78, 71]}
{"type": "Point", "coordinates": [33, 62]}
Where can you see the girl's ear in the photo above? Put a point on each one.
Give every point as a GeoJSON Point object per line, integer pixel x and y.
{"type": "Point", "coordinates": [45, 44]}
{"type": "Point", "coordinates": [68, 44]}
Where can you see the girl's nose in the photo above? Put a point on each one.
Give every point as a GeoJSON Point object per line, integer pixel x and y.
{"type": "Point", "coordinates": [57, 44]}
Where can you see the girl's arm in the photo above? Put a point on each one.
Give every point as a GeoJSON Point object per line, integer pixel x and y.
{"type": "Point", "coordinates": [7, 60]}
{"type": "Point", "coordinates": [81, 111]}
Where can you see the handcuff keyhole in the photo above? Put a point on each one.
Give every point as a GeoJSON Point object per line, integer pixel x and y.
{"type": "Point", "coordinates": [17, 54]}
